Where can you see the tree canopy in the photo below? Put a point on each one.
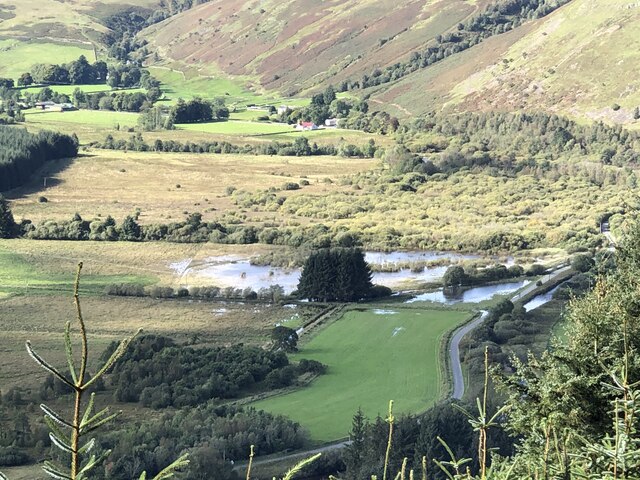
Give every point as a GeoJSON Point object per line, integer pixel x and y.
{"type": "Point", "coordinates": [331, 275]}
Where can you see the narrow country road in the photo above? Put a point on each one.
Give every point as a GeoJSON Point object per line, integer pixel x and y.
{"type": "Point", "coordinates": [545, 279]}
{"type": "Point", "coordinates": [454, 354]}
{"type": "Point", "coordinates": [454, 348]}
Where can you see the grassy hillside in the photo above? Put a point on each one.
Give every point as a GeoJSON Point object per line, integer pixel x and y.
{"type": "Point", "coordinates": [578, 61]}
{"type": "Point", "coordinates": [51, 31]}
{"type": "Point", "coordinates": [70, 21]}
{"type": "Point", "coordinates": [292, 45]}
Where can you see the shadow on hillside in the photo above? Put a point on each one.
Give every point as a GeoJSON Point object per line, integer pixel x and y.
{"type": "Point", "coordinates": [49, 171]}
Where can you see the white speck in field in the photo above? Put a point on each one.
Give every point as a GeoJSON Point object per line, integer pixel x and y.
{"type": "Point", "coordinates": [382, 311]}
{"type": "Point", "coordinates": [396, 331]}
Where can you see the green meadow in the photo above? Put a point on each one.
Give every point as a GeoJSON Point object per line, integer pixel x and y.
{"type": "Point", "coordinates": [21, 277]}
{"type": "Point", "coordinates": [17, 57]}
{"type": "Point", "coordinates": [84, 118]}
{"type": "Point", "coordinates": [176, 85]}
{"type": "Point", "coordinates": [373, 356]}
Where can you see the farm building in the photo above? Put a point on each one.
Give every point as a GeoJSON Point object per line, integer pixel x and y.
{"type": "Point", "coordinates": [55, 107]}
{"type": "Point", "coordinates": [306, 126]}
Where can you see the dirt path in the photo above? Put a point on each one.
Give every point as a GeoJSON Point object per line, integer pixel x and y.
{"type": "Point", "coordinates": [399, 107]}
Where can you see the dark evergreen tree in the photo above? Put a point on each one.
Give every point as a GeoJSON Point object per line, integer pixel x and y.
{"type": "Point", "coordinates": [8, 227]}
{"type": "Point", "coordinates": [354, 452]}
{"type": "Point", "coordinates": [331, 275]}
{"type": "Point", "coordinates": [21, 153]}
{"type": "Point", "coordinates": [130, 229]}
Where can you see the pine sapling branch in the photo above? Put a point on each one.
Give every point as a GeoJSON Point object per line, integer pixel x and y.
{"type": "Point", "coordinates": [390, 420]}
{"type": "Point", "coordinates": [250, 463]}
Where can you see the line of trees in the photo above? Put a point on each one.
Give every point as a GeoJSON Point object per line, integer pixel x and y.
{"type": "Point", "coordinates": [272, 293]}
{"type": "Point", "coordinates": [300, 147]}
{"type": "Point", "coordinates": [22, 153]}
{"type": "Point", "coordinates": [192, 230]}
{"type": "Point", "coordinates": [77, 72]}
{"type": "Point", "coordinates": [458, 276]}
{"type": "Point", "coordinates": [499, 17]}
{"type": "Point", "coordinates": [81, 72]}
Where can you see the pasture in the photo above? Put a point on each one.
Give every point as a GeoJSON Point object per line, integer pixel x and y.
{"type": "Point", "coordinates": [107, 182]}
{"type": "Point", "coordinates": [272, 131]}
{"type": "Point", "coordinates": [82, 118]}
{"type": "Point", "coordinates": [238, 90]}
{"type": "Point", "coordinates": [17, 57]}
{"type": "Point", "coordinates": [178, 84]}
{"type": "Point", "coordinates": [19, 276]}
{"type": "Point", "coordinates": [368, 353]}
{"type": "Point", "coordinates": [37, 267]}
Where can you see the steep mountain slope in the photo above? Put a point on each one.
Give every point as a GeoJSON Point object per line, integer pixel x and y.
{"type": "Point", "coordinates": [62, 20]}
{"type": "Point", "coordinates": [581, 60]}
{"type": "Point", "coordinates": [291, 45]}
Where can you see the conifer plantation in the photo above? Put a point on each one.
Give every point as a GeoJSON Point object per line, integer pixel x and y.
{"type": "Point", "coordinates": [22, 153]}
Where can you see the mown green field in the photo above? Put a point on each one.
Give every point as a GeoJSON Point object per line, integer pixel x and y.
{"type": "Point", "coordinates": [17, 57]}
{"type": "Point", "coordinates": [372, 358]}
{"type": "Point", "coordinates": [239, 128]}
{"type": "Point", "coordinates": [82, 118]}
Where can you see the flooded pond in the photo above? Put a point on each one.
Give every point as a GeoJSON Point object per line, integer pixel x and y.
{"type": "Point", "coordinates": [236, 271]}
{"type": "Point", "coordinates": [540, 299]}
{"type": "Point", "coordinates": [471, 295]}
